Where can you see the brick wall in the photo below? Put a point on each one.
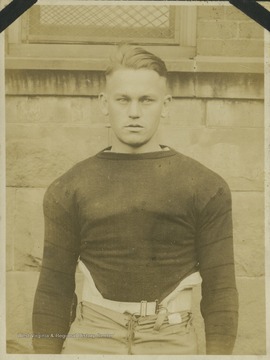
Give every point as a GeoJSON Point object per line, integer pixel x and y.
{"type": "Point", "coordinates": [53, 121]}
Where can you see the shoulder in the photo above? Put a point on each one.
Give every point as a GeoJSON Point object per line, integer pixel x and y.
{"type": "Point", "coordinates": [63, 189]}
{"type": "Point", "coordinates": [198, 171]}
{"type": "Point", "coordinates": [206, 183]}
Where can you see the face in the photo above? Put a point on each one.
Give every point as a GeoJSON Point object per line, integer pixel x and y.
{"type": "Point", "coordinates": [134, 101]}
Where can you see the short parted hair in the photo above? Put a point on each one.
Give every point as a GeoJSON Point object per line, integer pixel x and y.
{"type": "Point", "coordinates": [130, 57]}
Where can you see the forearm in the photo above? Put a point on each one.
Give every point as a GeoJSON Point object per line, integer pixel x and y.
{"type": "Point", "coordinates": [219, 305]}
{"type": "Point", "coordinates": [221, 322]}
{"type": "Point", "coordinates": [55, 290]}
{"type": "Point", "coordinates": [52, 311]}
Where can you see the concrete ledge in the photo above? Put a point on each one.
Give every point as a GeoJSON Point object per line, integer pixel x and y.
{"type": "Point", "coordinates": [90, 83]}
{"type": "Point", "coordinates": [229, 86]}
{"type": "Point", "coordinates": [50, 82]}
{"type": "Point", "coordinates": [251, 65]}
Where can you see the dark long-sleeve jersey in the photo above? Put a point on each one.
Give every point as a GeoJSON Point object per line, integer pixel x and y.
{"type": "Point", "coordinates": [140, 223]}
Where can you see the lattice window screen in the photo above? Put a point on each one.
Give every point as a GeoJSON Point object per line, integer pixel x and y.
{"type": "Point", "coordinates": [102, 24]}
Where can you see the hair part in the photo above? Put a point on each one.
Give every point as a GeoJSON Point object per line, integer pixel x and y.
{"type": "Point", "coordinates": [136, 58]}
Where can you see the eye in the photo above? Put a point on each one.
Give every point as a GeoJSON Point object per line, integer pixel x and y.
{"type": "Point", "coordinates": [122, 100]}
{"type": "Point", "coordinates": [147, 100]}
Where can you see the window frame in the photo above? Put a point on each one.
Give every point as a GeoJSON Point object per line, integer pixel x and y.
{"type": "Point", "coordinates": [92, 56]}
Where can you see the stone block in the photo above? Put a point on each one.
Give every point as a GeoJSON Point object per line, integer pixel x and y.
{"type": "Point", "coordinates": [36, 155]}
{"type": "Point", "coordinates": [211, 12]}
{"type": "Point", "coordinates": [235, 113]}
{"type": "Point", "coordinates": [238, 156]}
{"type": "Point", "coordinates": [248, 225]}
{"type": "Point", "coordinates": [181, 115]}
{"type": "Point", "coordinates": [251, 339]}
{"type": "Point", "coordinates": [232, 13]}
{"type": "Point", "coordinates": [229, 86]}
{"type": "Point", "coordinates": [212, 29]}
{"type": "Point", "coordinates": [247, 48]}
{"type": "Point", "coordinates": [28, 229]}
{"type": "Point", "coordinates": [86, 110]}
{"type": "Point", "coordinates": [10, 227]}
{"type": "Point", "coordinates": [209, 47]}
{"type": "Point", "coordinates": [233, 47]}
{"type": "Point", "coordinates": [20, 290]}
{"type": "Point", "coordinates": [58, 109]}
{"type": "Point", "coordinates": [36, 109]}
{"type": "Point", "coordinates": [250, 30]}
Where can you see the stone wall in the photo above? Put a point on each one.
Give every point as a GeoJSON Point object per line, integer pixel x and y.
{"type": "Point", "coordinates": [225, 31]}
{"type": "Point", "coordinates": [54, 121]}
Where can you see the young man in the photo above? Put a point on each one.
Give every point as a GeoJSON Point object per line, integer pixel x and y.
{"type": "Point", "coordinates": [146, 224]}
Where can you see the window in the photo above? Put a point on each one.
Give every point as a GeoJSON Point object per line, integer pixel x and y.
{"type": "Point", "coordinates": [59, 35]}
{"type": "Point", "coordinates": [102, 24]}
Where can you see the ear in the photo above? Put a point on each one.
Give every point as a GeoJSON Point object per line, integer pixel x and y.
{"type": "Point", "coordinates": [103, 102]}
{"type": "Point", "coordinates": [166, 105]}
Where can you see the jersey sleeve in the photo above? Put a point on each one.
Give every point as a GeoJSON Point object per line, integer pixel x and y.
{"type": "Point", "coordinates": [219, 304]}
{"type": "Point", "coordinates": [55, 291]}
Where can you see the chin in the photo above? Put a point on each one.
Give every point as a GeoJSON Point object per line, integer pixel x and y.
{"type": "Point", "coordinates": [134, 142]}
{"type": "Point", "coordinates": [136, 145]}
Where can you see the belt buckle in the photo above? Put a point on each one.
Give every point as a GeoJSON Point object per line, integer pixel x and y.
{"type": "Point", "coordinates": [143, 307]}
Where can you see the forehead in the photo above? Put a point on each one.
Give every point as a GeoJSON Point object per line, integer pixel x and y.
{"type": "Point", "coordinates": [138, 80]}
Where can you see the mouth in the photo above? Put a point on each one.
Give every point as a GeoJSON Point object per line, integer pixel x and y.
{"type": "Point", "coordinates": [134, 126]}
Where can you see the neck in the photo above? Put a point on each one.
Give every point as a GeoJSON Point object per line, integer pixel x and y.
{"type": "Point", "coordinates": [119, 147]}
{"type": "Point", "coordinates": [135, 150]}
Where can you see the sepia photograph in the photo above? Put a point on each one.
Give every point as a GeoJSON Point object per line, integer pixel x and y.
{"type": "Point", "coordinates": [134, 180]}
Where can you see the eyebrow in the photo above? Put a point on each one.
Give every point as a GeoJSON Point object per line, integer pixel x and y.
{"type": "Point", "coordinates": [148, 96]}
{"type": "Point", "coordinates": [140, 97]}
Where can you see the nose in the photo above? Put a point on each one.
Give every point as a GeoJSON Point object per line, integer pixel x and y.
{"type": "Point", "coordinates": [134, 110]}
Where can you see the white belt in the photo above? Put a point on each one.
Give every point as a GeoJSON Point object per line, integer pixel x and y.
{"type": "Point", "coordinates": [178, 300]}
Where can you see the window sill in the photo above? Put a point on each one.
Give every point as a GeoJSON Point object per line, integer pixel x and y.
{"type": "Point", "coordinates": [198, 64]}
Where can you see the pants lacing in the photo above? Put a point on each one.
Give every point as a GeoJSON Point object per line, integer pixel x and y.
{"type": "Point", "coordinates": [132, 322]}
